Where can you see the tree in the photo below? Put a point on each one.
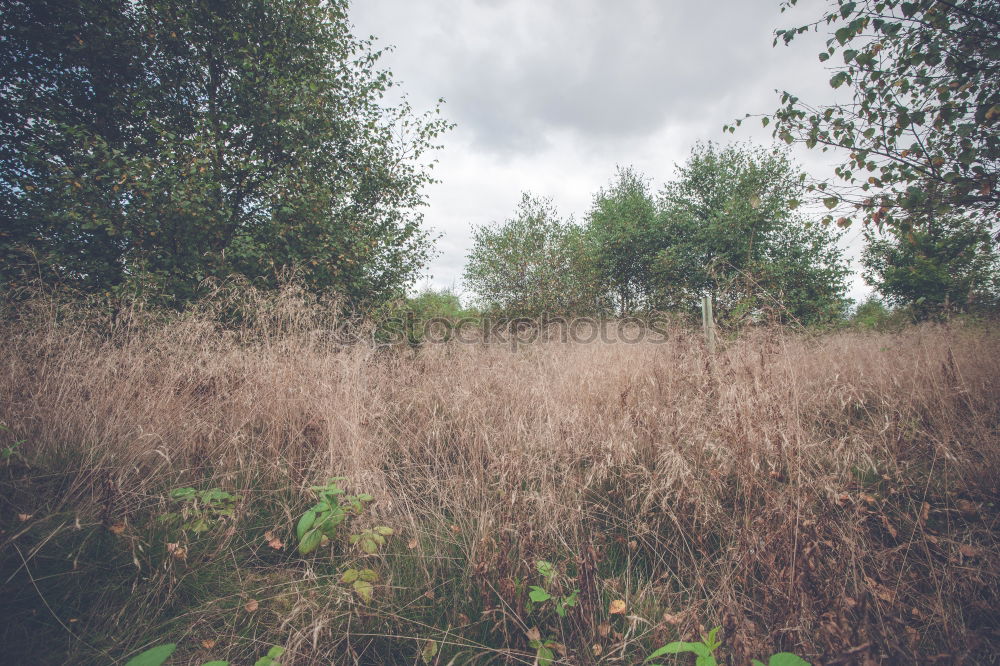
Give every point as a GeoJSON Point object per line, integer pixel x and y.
{"type": "Point", "coordinates": [940, 265]}
{"type": "Point", "coordinates": [624, 236]}
{"type": "Point", "coordinates": [728, 231]}
{"type": "Point", "coordinates": [924, 78]}
{"type": "Point", "coordinates": [157, 143]}
{"type": "Point", "coordinates": [531, 264]}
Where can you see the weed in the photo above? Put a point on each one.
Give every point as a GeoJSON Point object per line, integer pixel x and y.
{"type": "Point", "coordinates": [199, 510]}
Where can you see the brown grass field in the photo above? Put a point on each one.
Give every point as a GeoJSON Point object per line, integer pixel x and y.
{"type": "Point", "coordinates": [831, 495]}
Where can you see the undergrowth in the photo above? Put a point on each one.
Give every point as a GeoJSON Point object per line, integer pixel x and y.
{"type": "Point", "coordinates": [834, 496]}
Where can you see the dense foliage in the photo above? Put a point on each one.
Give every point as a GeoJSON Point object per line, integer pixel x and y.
{"type": "Point", "coordinates": [924, 81]}
{"type": "Point", "coordinates": [722, 226]}
{"type": "Point", "coordinates": [154, 144]}
{"type": "Point", "coordinates": [533, 263]}
{"type": "Point", "coordinates": [942, 266]}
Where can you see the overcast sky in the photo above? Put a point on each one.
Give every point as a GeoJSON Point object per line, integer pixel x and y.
{"type": "Point", "coordinates": [549, 96]}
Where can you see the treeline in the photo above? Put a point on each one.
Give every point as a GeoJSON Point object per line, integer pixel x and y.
{"type": "Point", "coordinates": [723, 226]}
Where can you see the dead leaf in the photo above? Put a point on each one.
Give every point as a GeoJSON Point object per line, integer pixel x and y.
{"type": "Point", "coordinates": [670, 618]}
{"type": "Point", "coordinates": [117, 528]}
{"type": "Point", "coordinates": [463, 619]}
{"type": "Point", "coordinates": [429, 594]}
{"type": "Point", "coordinates": [596, 649]}
{"type": "Point", "coordinates": [970, 551]}
{"type": "Point", "coordinates": [456, 529]}
{"type": "Point", "coordinates": [208, 643]}
{"type": "Point", "coordinates": [273, 541]}
{"type": "Point", "coordinates": [412, 543]}
{"type": "Point", "coordinates": [24, 517]}
{"type": "Point", "coordinates": [604, 629]}
{"type": "Point", "coordinates": [178, 551]}
{"type": "Point", "coordinates": [251, 605]}
{"type": "Point", "coordinates": [617, 607]}
{"type": "Point", "coordinates": [534, 634]}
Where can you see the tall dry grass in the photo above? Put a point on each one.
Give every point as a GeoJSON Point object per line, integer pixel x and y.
{"type": "Point", "coordinates": [835, 496]}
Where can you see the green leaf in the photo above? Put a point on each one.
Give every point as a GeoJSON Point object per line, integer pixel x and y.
{"type": "Point", "coordinates": [216, 663]}
{"type": "Point", "coordinates": [839, 79]}
{"type": "Point", "coordinates": [350, 576]}
{"type": "Point", "coordinates": [538, 595]}
{"type": "Point", "coordinates": [310, 542]}
{"type": "Point", "coordinates": [679, 647]}
{"type": "Point", "coordinates": [369, 575]}
{"type": "Point", "coordinates": [830, 202]}
{"type": "Point", "coordinates": [544, 656]}
{"type": "Point", "coordinates": [384, 531]}
{"type": "Point", "coordinates": [786, 659]}
{"type": "Point", "coordinates": [429, 652]}
{"type": "Point", "coordinates": [847, 8]}
{"type": "Point", "coordinates": [364, 590]}
{"type": "Point", "coordinates": [305, 522]}
{"type": "Point", "coordinates": [153, 656]}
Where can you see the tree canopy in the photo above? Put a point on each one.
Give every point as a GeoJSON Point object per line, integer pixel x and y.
{"type": "Point", "coordinates": [722, 226]}
{"type": "Point", "coordinates": [152, 144]}
{"type": "Point", "coordinates": [924, 81]}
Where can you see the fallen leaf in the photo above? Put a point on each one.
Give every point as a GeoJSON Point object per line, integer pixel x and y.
{"type": "Point", "coordinates": [251, 605]}
{"type": "Point", "coordinates": [533, 634]}
{"type": "Point", "coordinates": [617, 607]}
{"type": "Point", "coordinates": [412, 543]}
{"type": "Point", "coordinates": [429, 594]}
{"type": "Point", "coordinates": [604, 629]}
{"type": "Point", "coordinates": [24, 517]}
{"type": "Point", "coordinates": [178, 551]}
{"type": "Point", "coordinates": [969, 550]}
{"type": "Point", "coordinates": [925, 512]}
{"type": "Point", "coordinates": [633, 545]}
{"type": "Point", "coordinates": [596, 649]}
{"type": "Point", "coordinates": [670, 618]}
{"type": "Point", "coordinates": [456, 529]}
{"type": "Point", "coordinates": [208, 643]}
{"type": "Point", "coordinates": [117, 528]}
{"type": "Point", "coordinates": [273, 541]}
{"type": "Point", "coordinates": [463, 619]}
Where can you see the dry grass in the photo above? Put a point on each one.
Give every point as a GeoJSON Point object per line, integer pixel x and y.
{"type": "Point", "coordinates": [832, 496]}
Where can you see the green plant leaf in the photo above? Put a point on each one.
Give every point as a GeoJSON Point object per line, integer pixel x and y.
{"type": "Point", "coordinates": [364, 590]}
{"type": "Point", "coordinates": [350, 576]}
{"type": "Point", "coordinates": [786, 659]}
{"type": "Point", "coordinates": [544, 656]}
{"type": "Point", "coordinates": [153, 656]}
{"type": "Point", "coordinates": [305, 522]}
{"type": "Point", "coordinates": [429, 652]}
{"type": "Point", "coordinates": [679, 647]}
{"type": "Point", "coordinates": [538, 594]}
{"type": "Point", "coordinates": [310, 541]}
{"type": "Point", "coordinates": [384, 531]}
{"type": "Point", "coordinates": [216, 663]}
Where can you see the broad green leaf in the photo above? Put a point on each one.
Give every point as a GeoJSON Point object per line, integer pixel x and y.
{"type": "Point", "coordinates": [305, 522]}
{"type": "Point", "coordinates": [786, 659]}
{"type": "Point", "coordinates": [310, 542]}
{"type": "Point", "coordinates": [538, 595]}
{"type": "Point", "coordinates": [350, 576]}
{"type": "Point", "coordinates": [364, 590]}
{"type": "Point", "coordinates": [153, 656]}
{"type": "Point", "coordinates": [544, 656]}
